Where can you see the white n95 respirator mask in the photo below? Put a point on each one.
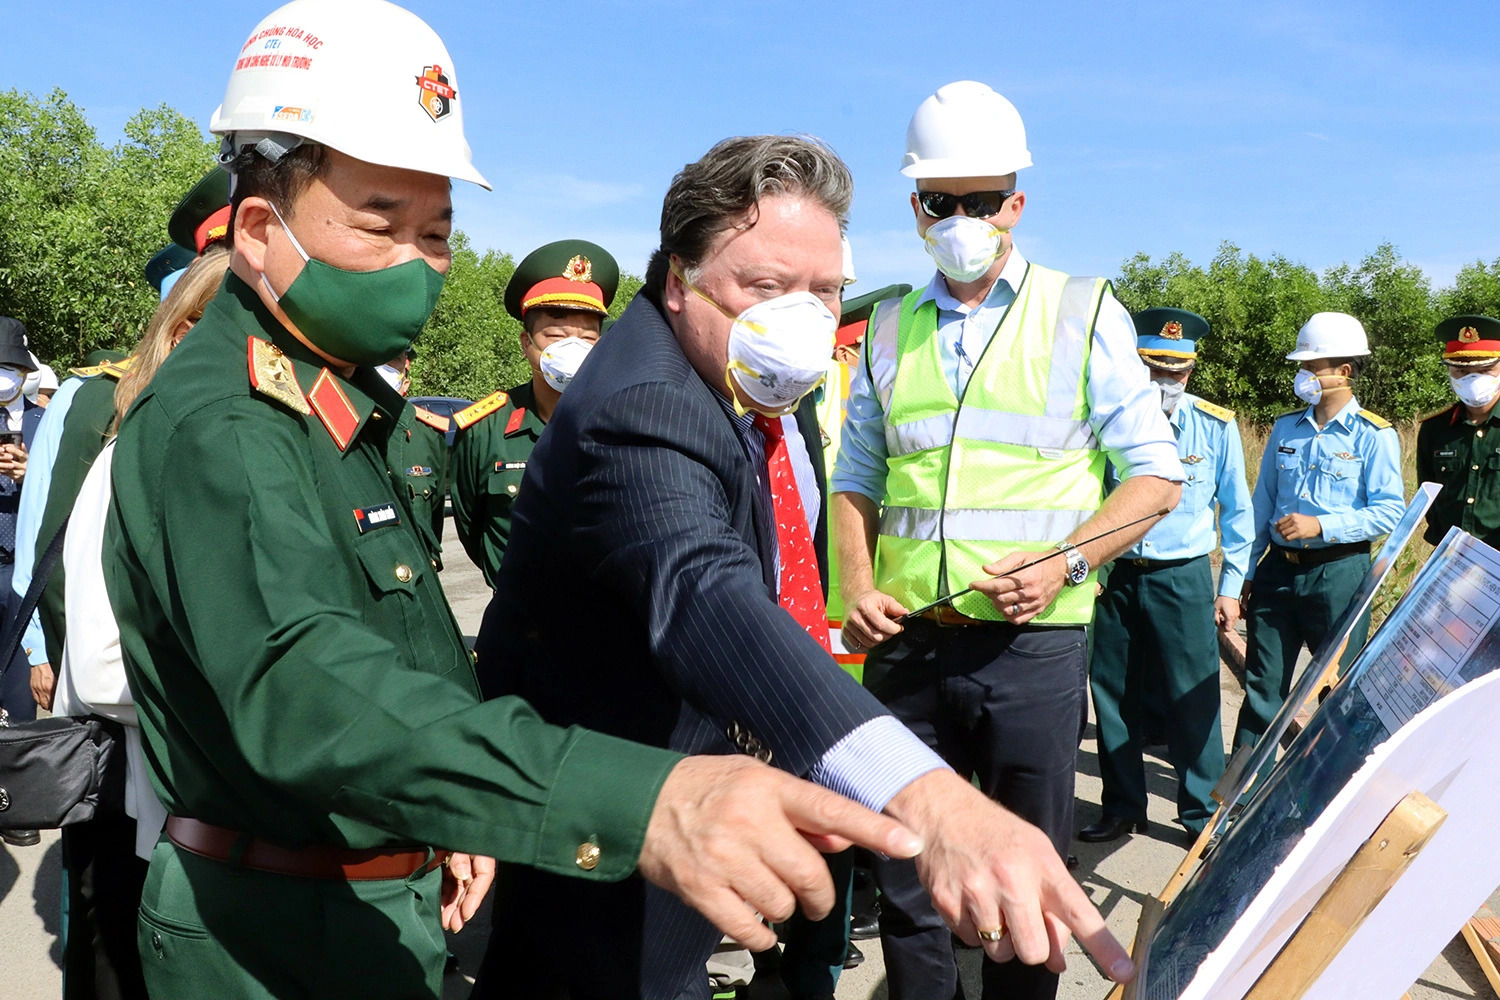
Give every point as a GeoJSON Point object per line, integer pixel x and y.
{"type": "Point", "coordinates": [964, 247]}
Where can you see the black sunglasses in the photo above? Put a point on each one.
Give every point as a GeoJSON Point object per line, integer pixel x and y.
{"type": "Point", "coordinates": [977, 204]}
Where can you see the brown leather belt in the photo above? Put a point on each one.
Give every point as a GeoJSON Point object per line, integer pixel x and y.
{"type": "Point", "coordinates": [1317, 557]}
{"type": "Point", "coordinates": [337, 863]}
{"type": "Point", "coordinates": [944, 614]}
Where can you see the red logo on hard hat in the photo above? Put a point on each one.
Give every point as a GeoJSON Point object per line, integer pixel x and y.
{"type": "Point", "coordinates": [436, 95]}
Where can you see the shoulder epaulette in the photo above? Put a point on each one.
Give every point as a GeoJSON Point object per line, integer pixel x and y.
{"type": "Point", "coordinates": [114, 369]}
{"type": "Point", "coordinates": [271, 374]}
{"type": "Point", "coordinates": [1375, 419]}
{"type": "Point", "coordinates": [473, 414]}
{"type": "Point", "coordinates": [1223, 413]}
{"type": "Point", "coordinates": [1451, 412]}
{"type": "Point", "coordinates": [433, 420]}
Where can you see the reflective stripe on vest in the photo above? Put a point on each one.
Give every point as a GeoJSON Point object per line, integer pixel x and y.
{"type": "Point", "coordinates": [1011, 466]}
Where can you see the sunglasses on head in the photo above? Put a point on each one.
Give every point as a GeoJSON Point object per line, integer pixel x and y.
{"type": "Point", "coordinates": [977, 204]}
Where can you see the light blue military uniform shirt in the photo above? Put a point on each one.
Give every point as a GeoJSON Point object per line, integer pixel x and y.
{"type": "Point", "coordinates": [1347, 475]}
{"type": "Point", "coordinates": [39, 462]}
{"type": "Point", "coordinates": [1214, 460]}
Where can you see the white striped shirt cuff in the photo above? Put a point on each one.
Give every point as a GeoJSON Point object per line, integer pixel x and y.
{"type": "Point", "coordinates": [874, 762]}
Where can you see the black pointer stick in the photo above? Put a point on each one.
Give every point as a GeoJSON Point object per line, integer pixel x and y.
{"type": "Point", "coordinates": [1051, 555]}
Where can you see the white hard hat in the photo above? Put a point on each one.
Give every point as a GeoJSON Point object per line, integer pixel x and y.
{"type": "Point", "coordinates": [849, 277]}
{"type": "Point", "coordinates": [48, 378]}
{"type": "Point", "coordinates": [364, 77]}
{"type": "Point", "coordinates": [965, 130]}
{"type": "Point", "coordinates": [1330, 335]}
{"type": "Point", "coordinates": [33, 380]}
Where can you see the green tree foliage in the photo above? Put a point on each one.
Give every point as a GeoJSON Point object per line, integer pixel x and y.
{"type": "Point", "coordinates": [78, 221]}
{"type": "Point", "coordinates": [1475, 291]}
{"type": "Point", "coordinates": [1256, 307]}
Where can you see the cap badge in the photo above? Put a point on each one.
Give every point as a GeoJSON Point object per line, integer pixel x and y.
{"type": "Point", "coordinates": [1172, 331]}
{"type": "Point", "coordinates": [1468, 335]}
{"type": "Point", "coordinates": [580, 268]}
{"type": "Point", "coordinates": [434, 93]}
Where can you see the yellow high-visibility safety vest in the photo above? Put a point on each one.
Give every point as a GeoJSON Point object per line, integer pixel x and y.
{"type": "Point", "coordinates": [1012, 466]}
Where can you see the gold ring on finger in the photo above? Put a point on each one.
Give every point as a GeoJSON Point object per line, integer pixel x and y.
{"type": "Point", "coordinates": [997, 934]}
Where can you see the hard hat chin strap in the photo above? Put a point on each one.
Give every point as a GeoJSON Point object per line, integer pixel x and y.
{"type": "Point", "coordinates": [271, 145]}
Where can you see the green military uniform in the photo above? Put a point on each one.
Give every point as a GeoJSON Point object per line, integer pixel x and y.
{"type": "Point", "coordinates": [490, 449]}
{"type": "Point", "coordinates": [495, 436]}
{"type": "Point", "coordinates": [299, 677]}
{"type": "Point", "coordinates": [85, 429]}
{"type": "Point", "coordinates": [419, 457]}
{"type": "Point", "coordinates": [1462, 455]}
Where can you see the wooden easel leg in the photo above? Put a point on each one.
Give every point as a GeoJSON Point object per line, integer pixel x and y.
{"type": "Point", "coordinates": [1480, 933]}
{"type": "Point", "coordinates": [1324, 686]}
{"type": "Point", "coordinates": [1356, 892]}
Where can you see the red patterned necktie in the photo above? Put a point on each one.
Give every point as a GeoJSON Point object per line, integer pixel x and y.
{"type": "Point", "coordinates": [801, 587]}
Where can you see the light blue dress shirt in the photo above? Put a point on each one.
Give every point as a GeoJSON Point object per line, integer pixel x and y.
{"type": "Point", "coordinates": [1347, 475]}
{"type": "Point", "coordinates": [1214, 461]}
{"type": "Point", "coordinates": [39, 463]}
{"type": "Point", "coordinates": [1124, 407]}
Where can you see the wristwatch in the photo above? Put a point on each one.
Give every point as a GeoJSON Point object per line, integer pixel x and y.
{"type": "Point", "coordinates": [1078, 566]}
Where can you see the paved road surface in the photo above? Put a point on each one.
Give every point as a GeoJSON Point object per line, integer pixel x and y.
{"type": "Point", "coordinates": [1116, 875]}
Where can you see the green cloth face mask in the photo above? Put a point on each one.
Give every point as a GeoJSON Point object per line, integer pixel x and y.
{"type": "Point", "coordinates": [363, 317]}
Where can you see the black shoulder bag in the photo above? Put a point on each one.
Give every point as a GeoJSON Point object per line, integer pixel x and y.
{"type": "Point", "coordinates": [55, 771]}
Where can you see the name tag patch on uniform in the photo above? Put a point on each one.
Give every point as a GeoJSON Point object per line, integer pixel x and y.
{"type": "Point", "coordinates": [1283, 449]}
{"type": "Point", "coordinates": [419, 470]}
{"type": "Point", "coordinates": [509, 466]}
{"type": "Point", "coordinates": [1450, 453]}
{"type": "Point", "coordinates": [379, 516]}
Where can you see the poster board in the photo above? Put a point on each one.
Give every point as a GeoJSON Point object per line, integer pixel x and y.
{"type": "Point", "coordinates": [1276, 860]}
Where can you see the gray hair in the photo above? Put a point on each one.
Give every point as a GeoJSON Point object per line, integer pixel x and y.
{"type": "Point", "coordinates": [721, 191]}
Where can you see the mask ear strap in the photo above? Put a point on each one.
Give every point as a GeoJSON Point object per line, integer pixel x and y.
{"type": "Point", "coordinates": [288, 230]}
{"type": "Point", "coordinates": [698, 292]}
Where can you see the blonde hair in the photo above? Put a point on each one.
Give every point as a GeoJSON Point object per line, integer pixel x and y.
{"type": "Point", "coordinates": [186, 301]}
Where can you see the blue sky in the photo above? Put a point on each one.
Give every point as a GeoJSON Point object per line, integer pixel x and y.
{"type": "Point", "coordinates": [1313, 130]}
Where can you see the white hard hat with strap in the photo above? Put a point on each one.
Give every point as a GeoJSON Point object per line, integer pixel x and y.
{"type": "Point", "coordinates": [364, 77]}
{"type": "Point", "coordinates": [1330, 335]}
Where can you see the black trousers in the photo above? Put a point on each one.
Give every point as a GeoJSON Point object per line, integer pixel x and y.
{"type": "Point", "coordinates": [15, 685]}
{"type": "Point", "coordinates": [105, 877]}
{"type": "Point", "coordinates": [1001, 704]}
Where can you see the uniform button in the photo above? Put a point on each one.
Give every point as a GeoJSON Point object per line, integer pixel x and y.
{"type": "Point", "coordinates": [1474, 467]}
{"type": "Point", "coordinates": [1470, 500]}
{"type": "Point", "coordinates": [156, 942]}
{"type": "Point", "coordinates": [587, 856]}
{"type": "Point", "coordinates": [511, 489]}
{"type": "Point", "coordinates": [473, 656]}
{"type": "Point", "coordinates": [403, 573]}
{"type": "Point", "coordinates": [434, 563]}
{"type": "Point", "coordinates": [1479, 433]}
{"type": "Point", "coordinates": [374, 414]}
{"type": "Point", "coordinates": [1304, 496]}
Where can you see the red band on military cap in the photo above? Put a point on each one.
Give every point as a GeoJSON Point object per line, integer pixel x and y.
{"type": "Point", "coordinates": [564, 293]}
{"type": "Point", "coordinates": [851, 333]}
{"type": "Point", "coordinates": [213, 228]}
{"type": "Point", "coordinates": [1473, 350]}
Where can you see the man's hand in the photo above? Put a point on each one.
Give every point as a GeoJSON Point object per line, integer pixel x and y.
{"type": "Point", "coordinates": [466, 880]}
{"type": "Point", "coordinates": [1226, 613]}
{"type": "Point", "coordinates": [988, 869]}
{"type": "Point", "coordinates": [43, 684]}
{"type": "Point", "coordinates": [870, 619]}
{"type": "Point", "coordinates": [13, 461]}
{"type": "Point", "coordinates": [739, 841]}
{"type": "Point", "coordinates": [1022, 596]}
{"type": "Point", "coordinates": [1295, 527]}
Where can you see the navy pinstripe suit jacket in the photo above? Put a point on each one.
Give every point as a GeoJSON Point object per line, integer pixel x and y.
{"type": "Point", "coordinates": [638, 598]}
